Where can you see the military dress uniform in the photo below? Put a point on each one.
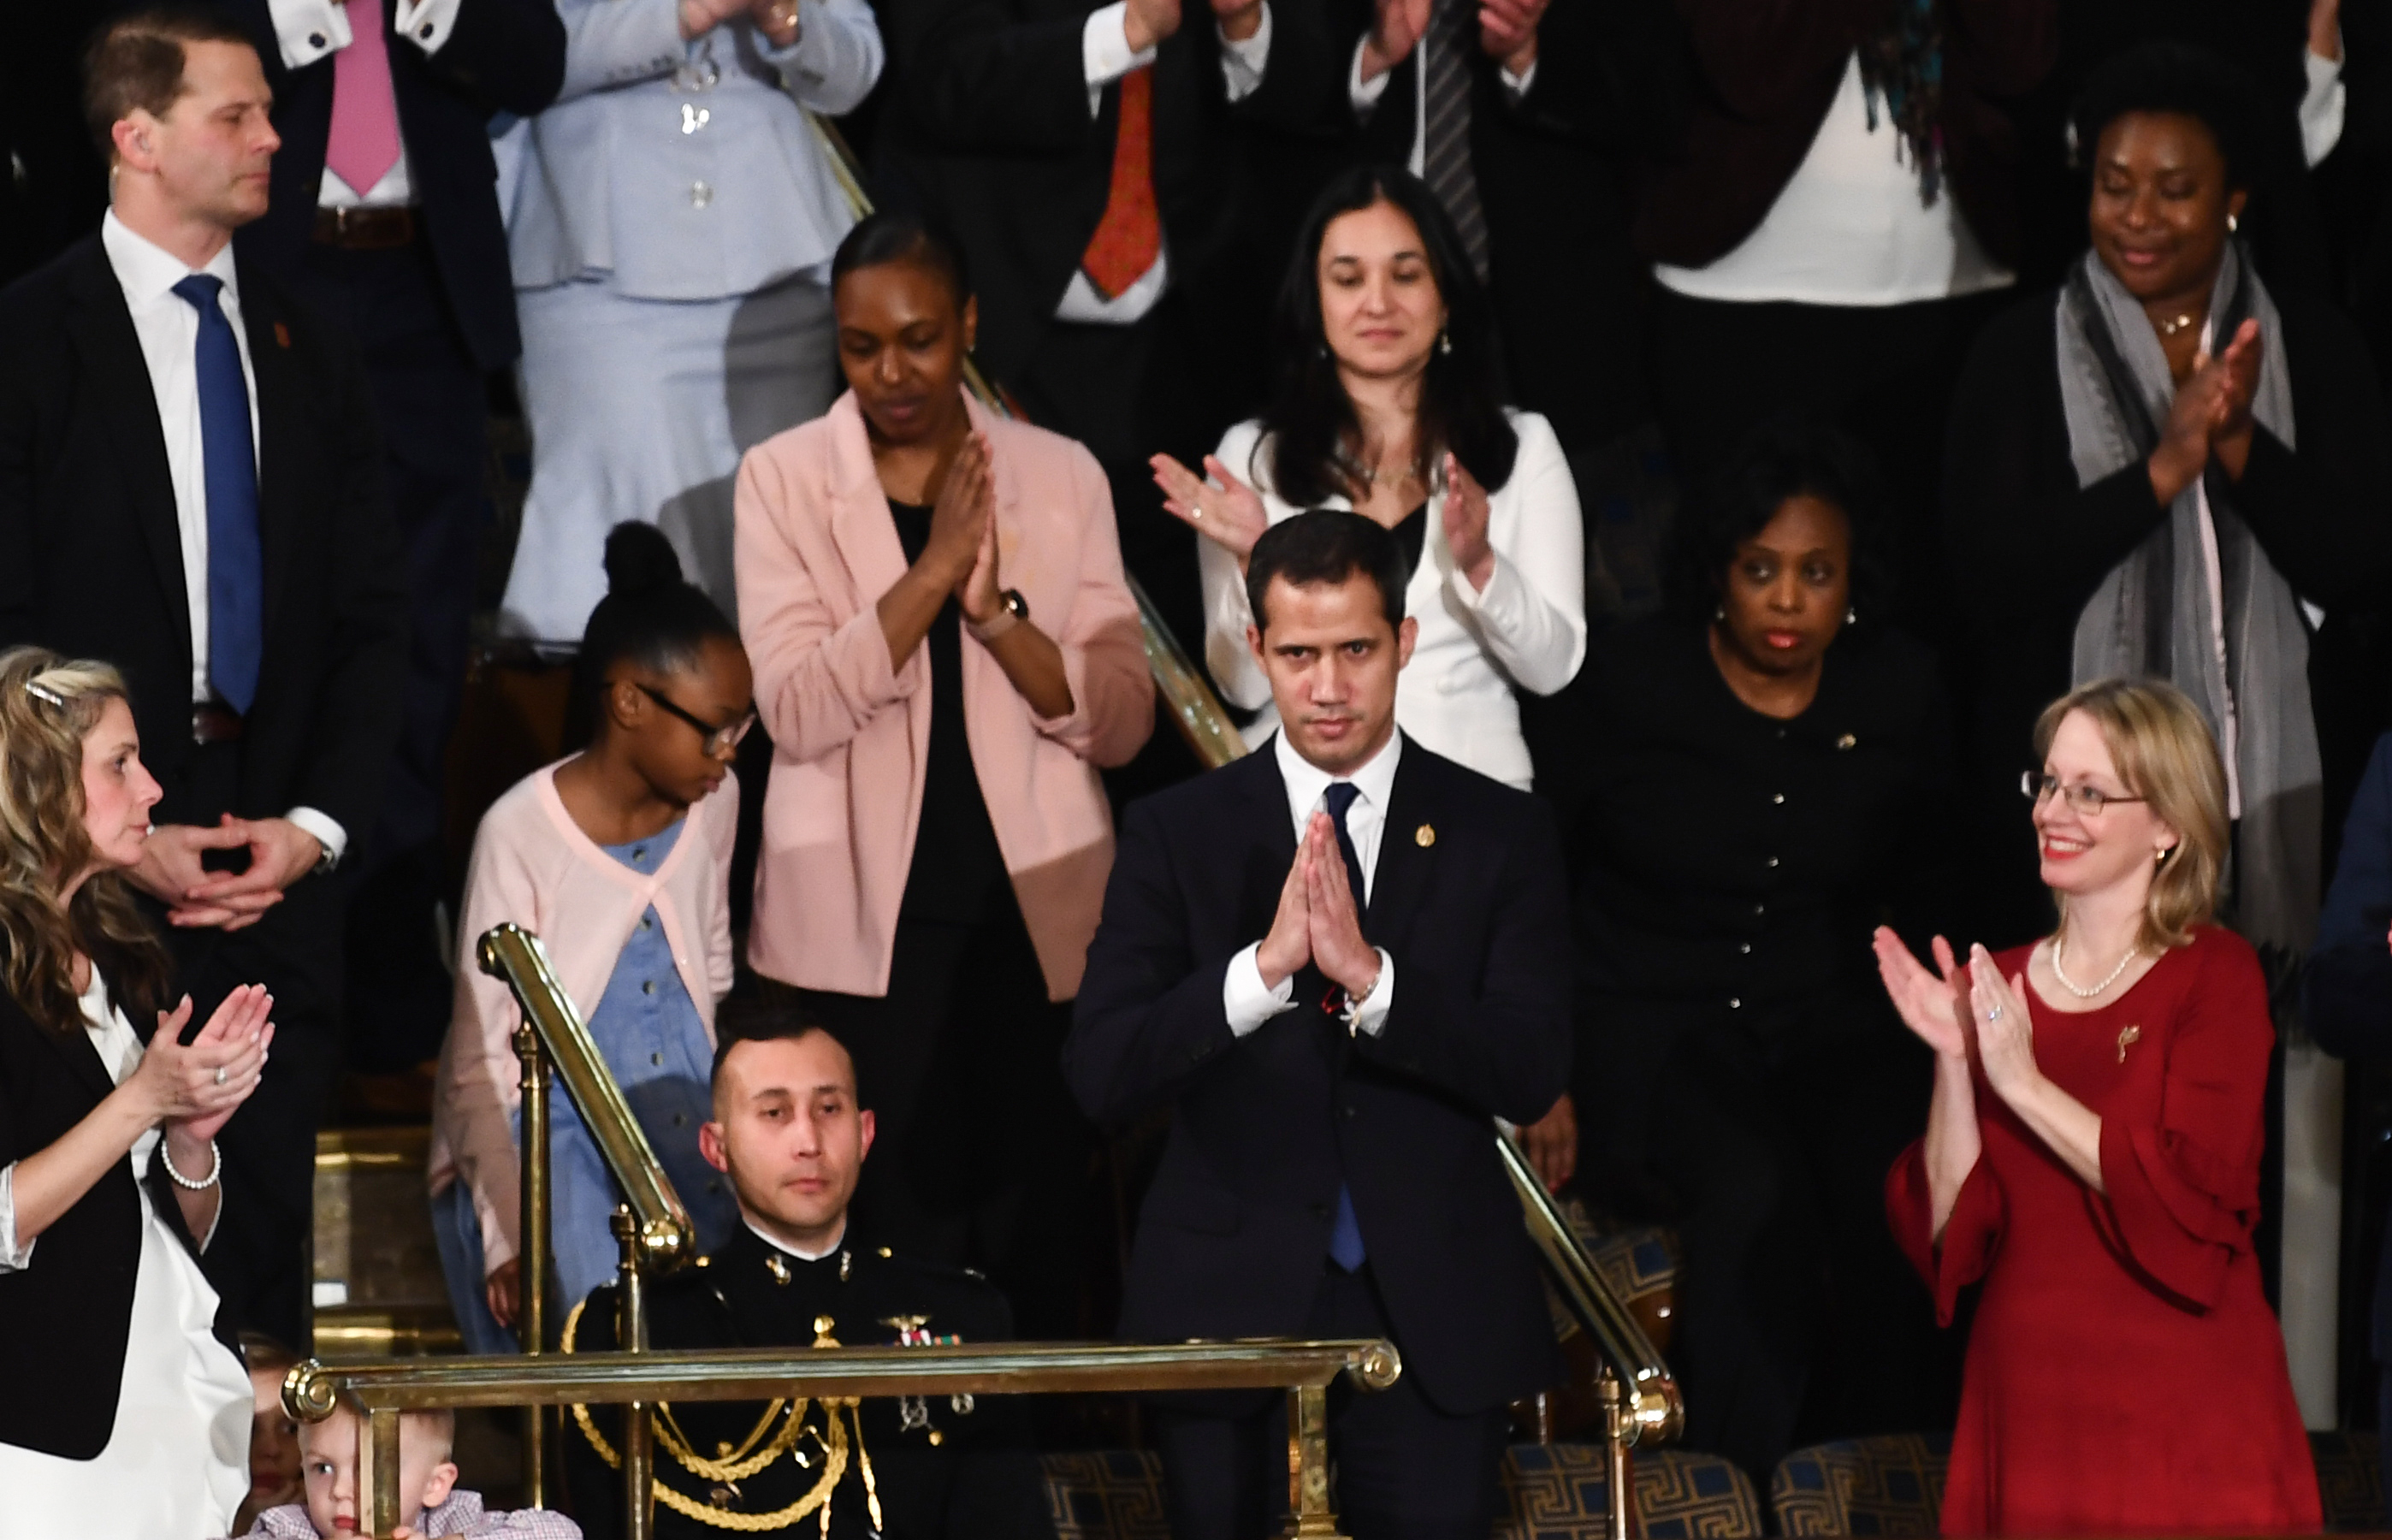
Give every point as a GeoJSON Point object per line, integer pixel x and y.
{"type": "Point", "coordinates": [911, 1468]}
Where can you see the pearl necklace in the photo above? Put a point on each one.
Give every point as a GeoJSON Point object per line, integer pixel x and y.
{"type": "Point", "coordinates": [2059, 948]}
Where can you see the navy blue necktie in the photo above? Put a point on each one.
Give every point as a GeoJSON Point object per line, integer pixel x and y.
{"type": "Point", "coordinates": [236, 563]}
{"type": "Point", "coordinates": [1345, 1230]}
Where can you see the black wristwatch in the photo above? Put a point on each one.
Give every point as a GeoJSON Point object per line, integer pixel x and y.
{"type": "Point", "coordinates": [1013, 611]}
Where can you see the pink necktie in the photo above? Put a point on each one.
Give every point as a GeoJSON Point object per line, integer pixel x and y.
{"type": "Point", "coordinates": [364, 143]}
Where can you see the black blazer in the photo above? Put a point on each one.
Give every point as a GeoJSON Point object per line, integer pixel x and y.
{"type": "Point", "coordinates": [91, 559]}
{"type": "Point", "coordinates": [996, 135]}
{"type": "Point", "coordinates": [1469, 900]}
{"type": "Point", "coordinates": [505, 56]}
{"type": "Point", "coordinates": [67, 1313]}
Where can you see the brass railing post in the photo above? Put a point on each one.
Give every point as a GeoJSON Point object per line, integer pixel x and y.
{"type": "Point", "coordinates": [631, 1335]}
{"type": "Point", "coordinates": [531, 1252]}
{"type": "Point", "coordinates": [378, 1469]}
{"type": "Point", "coordinates": [1311, 1515]}
{"type": "Point", "coordinates": [1618, 1431]}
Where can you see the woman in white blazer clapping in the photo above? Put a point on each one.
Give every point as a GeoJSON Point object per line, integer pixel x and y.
{"type": "Point", "coordinates": [1388, 404]}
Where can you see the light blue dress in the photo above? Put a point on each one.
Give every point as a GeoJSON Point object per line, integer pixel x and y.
{"type": "Point", "coordinates": [670, 224]}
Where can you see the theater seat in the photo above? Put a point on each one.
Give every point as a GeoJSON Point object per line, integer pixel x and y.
{"type": "Point", "coordinates": [1562, 1492]}
{"type": "Point", "coordinates": [1106, 1494]}
{"type": "Point", "coordinates": [2350, 1481]}
{"type": "Point", "coordinates": [1888, 1485]}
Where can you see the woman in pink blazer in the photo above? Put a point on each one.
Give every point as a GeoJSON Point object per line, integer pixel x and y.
{"type": "Point", "coordinates": [945, 654]}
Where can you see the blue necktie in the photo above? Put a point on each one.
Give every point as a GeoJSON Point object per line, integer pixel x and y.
{"type": "Point", "coordinates": [236, 564]}
{"type": "Point", "coordinates": [1345, 1230]}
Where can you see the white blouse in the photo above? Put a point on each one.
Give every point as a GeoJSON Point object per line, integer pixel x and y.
{"type": "Point", "coordinates": [1528, 630]}
{"type": "Point", "coordinates": [177, 1464]}
{"type": "Point", "coordinates": [1849, 228]}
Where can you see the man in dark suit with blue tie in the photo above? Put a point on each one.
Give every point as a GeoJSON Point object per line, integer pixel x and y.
{"type": "Point", "coordinates": [190, 486]}
{"type": "Point", "coordinates": [1335, 962]}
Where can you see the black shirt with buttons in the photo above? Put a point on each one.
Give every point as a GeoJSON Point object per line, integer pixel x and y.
{"type": "Point", "coordinates": [1735, 865]}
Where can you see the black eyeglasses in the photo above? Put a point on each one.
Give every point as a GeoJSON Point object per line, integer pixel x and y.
{"type": "Point", "coordinates": [2085, 799]}
{"type": "Point", "coordinates": [718, 739]}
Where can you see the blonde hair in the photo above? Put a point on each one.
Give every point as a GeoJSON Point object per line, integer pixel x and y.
{"type": "Point", "coordinates": [49, 705]}
{"type": "Point", "coordinates": [2164, 752]}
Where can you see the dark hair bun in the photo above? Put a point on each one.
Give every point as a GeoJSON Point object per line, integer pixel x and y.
{"type": "Point", "coordinates": [639, 559]}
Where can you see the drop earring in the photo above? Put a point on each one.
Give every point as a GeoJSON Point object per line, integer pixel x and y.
{"type": "Point", "coordinates": [1718, 612]}
{"type": "Point", "coordinates": [1852, 615]}
{"type": "Point", "coordinates": [2232, 225]}
{"type": "Point", "coordinates": [1444, 340]}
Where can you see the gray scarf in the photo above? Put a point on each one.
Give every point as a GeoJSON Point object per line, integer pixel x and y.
{"type": "Point", "coordinates": [2152, 615]}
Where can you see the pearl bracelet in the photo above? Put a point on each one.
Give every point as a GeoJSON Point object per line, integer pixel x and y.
{"type": "Point", "coordinates": [216, 1169]}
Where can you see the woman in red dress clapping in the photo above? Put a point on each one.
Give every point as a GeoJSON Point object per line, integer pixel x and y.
{"type": "Point", "coordinates": [2092, 1155]}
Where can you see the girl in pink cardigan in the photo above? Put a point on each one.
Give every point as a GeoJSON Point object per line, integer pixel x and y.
{"type": "Point", "coordinates": [945, 654]}
{"type": "Point", "coordinates": [619, 859]}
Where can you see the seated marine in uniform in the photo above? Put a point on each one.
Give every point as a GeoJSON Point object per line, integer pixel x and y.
{"type": "Point", "coordinates": [791, 1134]}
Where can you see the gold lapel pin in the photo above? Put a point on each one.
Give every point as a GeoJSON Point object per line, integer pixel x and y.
{"type": "Point", "coordinates": [1425, 836]}
{"type": "Point", "coordinates": [2127, 1038]}
{"type": "Point", "coordinates": [1846, 741]}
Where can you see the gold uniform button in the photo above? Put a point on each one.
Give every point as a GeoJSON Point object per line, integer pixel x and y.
{"type": "Point", "coordinates": [1425, 836]}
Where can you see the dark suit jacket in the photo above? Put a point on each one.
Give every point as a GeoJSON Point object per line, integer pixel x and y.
{"type": "Point", "coordinates": [1549, 167]}
{"type": "Point", "coordinates": [1762, 75]}
{"type": "Point", "coordinates": [505, 56]}
{"type": "Point", "coordinates": [1469, 899]}
{"type": "Point", "coordinates": [996, 133]}
{"type": "Point", "coordinates": [91, 559]}
{"type": "Point", "coordinates": [2347, 984]}
{"type": "Point", "coordinates": [68, 1312]}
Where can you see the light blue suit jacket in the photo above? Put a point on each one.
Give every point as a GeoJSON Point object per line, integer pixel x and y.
{"type": "Point", "coordinates": [684, 170]}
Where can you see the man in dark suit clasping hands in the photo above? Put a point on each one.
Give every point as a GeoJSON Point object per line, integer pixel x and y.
{"type": "Point", "coordinates": [1335, 961]}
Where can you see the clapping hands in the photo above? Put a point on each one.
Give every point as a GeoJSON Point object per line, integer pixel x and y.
{"type": "Point", "coordinates": [1466, 514]}
{"type": "Point", "coordinates": [2211, 414]}
{"type": "Point", "coordinates": [1223, 509]}
{"type": "Point", "coordinates": [195, 1088]}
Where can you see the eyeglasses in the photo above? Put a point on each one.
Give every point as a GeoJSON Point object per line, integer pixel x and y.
{"type": "Point", "coordinates": [2084, 799]}
{"type": "Point", "coordinates": [718, 739]}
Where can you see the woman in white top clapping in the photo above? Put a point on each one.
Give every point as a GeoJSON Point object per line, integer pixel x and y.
{"type": "Point", "coordinates": [1390, 403]}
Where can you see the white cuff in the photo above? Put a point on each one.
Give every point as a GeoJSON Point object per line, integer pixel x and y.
{"type": "Point", "coordinates": [13, 1258]}
{"type": "Point", "coordinates": [2324, 102]}
{"type": "Point", "coordinates": [1519, 85]}
{"type": "Point", "coordinates": [1242, 62]}
{"type": "Point", "coordinates": [1499, 602]}
{"type": "Point", "coordinates": [1364, 94]}
{"type": "Point", "coordinates": [1245, 1000]}
{"type": "Point", "coordinates": [426, 23]}
{"type": "Point", "coordinates": [1105, 53]}
{"type": "Point", "coordinates": [308, 30]}
{"type": "Point", "coordinates": [331, 835]}
{"type": "Point", "coordinates": [1369, 1014]}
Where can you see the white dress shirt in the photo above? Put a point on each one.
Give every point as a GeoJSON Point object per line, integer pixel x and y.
{"type": "Point", "coordinates": [1245, 1000]}
{"type": "Point", "coordinates": [169, 331]}
{"type": "Point", "coordinates": [1105, 57]}
{"type": "Point", "coordinates": [308, 30]}
{"type": "Point", "coordinates": [786, 1249]}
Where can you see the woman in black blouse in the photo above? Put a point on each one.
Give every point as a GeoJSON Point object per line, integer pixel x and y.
{"type": "Point", "coordinates": [2168, 468]}
{"type": "Point", "coordinates": [1765, 782]}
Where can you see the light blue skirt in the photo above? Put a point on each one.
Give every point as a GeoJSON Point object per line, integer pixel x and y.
{"type": "Point", "coordinates": [640, 408]}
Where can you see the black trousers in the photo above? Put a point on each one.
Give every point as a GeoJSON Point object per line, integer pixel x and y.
{"type": "Point", "coordinates": [1401, 1467]}
{"type": "Point", "coordinates": [980, 1157]}
{"type": "Point", "coordinates": [429, 395]}
{"type": "Point", "coordinates": [1797, 1320]}
{"type": "Point", "coordinates": [259, 1259]}
{"type": "Point", "coordinates": [1883, 374]}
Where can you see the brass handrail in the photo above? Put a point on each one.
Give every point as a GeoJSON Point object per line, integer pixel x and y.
{"type": "Point", "coordinates": [388, 1388]}
{"type": "Point", "coordinates": [657, 1232]}
{"type": "Point", "coordinates": [666, 1236]}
